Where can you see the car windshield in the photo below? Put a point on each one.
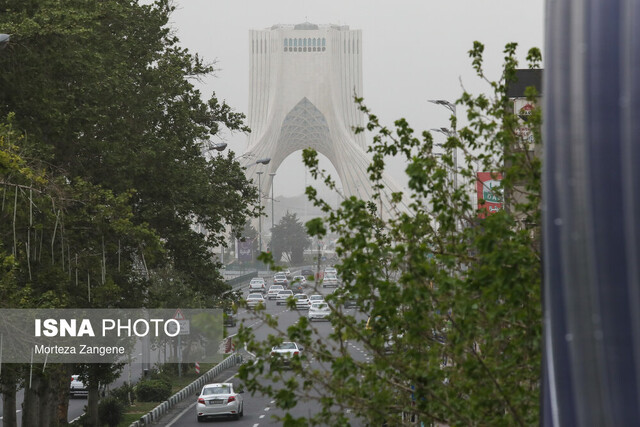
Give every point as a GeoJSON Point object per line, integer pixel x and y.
{"type": "Point", "coordinates": [316, 297]}
{"type": "Point", "coordinates": [319, 306]}
{"type": "Point", "coordinates": [301, 296]}
{"type": "Point", "coordinates": [217, 390]}
{"type": "Point", "coordinates": [257, 281]}
{"type": "Point", "coordinates": [254, 296]}
{"type": "Point", "coordinates": [285, 293]}
{"type": "Point", "coordinates": [286, 346]}
{"type": "Point", "coordinates": [276, 288]}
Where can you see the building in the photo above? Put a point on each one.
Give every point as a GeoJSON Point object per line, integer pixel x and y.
{"type": "Point", "coordinates": [302, 83]}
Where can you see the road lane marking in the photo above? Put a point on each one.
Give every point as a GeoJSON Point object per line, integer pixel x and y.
{"type": "Point", "coordinates": [261, 416]}
{"type": "Point", "coordinates": [267, 408]}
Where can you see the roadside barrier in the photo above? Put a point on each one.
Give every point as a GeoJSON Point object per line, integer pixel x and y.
{"type": "Point", "coordinates": [189, 391]}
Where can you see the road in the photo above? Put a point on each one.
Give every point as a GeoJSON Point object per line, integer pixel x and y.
{"type": "Point", "coordinates": [259, 410]}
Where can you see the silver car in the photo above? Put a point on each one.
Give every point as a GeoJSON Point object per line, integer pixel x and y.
{"type": "Point", "coordinates": [274, 290]}
{"type": "Point", "coordinates": [284, 352]}
{"type": "Point", "coordinates": [302, 301]}
{"type": "Point", "coordinates": [216, 400]}
{"type": "Point", "coordinates": [330, 279]}
{"type": "Point", "coordinates": [283, 296]}
{"type": "Point", "coordinates": [253, 300]}
{"type": "Point", "coordinates": [319, 311]}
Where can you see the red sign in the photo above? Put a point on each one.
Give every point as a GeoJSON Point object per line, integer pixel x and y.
{"type": "Point", "coordinates": [490, 196]}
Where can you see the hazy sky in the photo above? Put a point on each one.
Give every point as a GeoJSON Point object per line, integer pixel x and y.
{"type": "Point", "coordinates": [413, 50]}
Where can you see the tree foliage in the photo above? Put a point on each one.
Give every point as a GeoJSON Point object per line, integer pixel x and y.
{"type": "Point", "coordinates": [107, 182]}
{"type": "Point", "coordinates": [289, 237]}
{"type": "Point", "coordinates": [452, 299]}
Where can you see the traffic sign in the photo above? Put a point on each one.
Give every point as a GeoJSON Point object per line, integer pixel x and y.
{"type": "Point", "coordinates": [184, 327]}
{"type": "Point", "coordinates": [179, 315]}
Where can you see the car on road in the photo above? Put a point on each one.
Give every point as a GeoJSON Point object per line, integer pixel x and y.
{"type": "Point", "coordinates": [229, 318]}
{"type": "Point", "coordinates": [316, 298]}
{"type": "Point", "coordinates": [217, 400]}
{"type": "Point", "coordinates": [349, 301]}
{"type": "Point", "coordinates": [300, 279]}
{"type": "Point", "coordinates": [287, 273]}
{"type": "Point", "coordinates": [280, 279]}
{"type": "Point", "coordinates": [330, 279]}
{"type": "Point", "coordinates": [274, 290]}
{"type": "Point", "coordinates": [319, 311]}
{"type": "Point", "coordinates": [330, 270]}
{"type": "Point", "coordinates": [298, 283]}
{"type": "Point", "coordinates": [306, 272]}
{"type": "Point", "coordinates": [253, 300]}
{"type": "Point", "coordinates": [285, 352]}
{"type": "Point", "coordinates": [257, 284]}
{"type": "Point", "coordinates": [302, 302]}
{"type": "Point", "coordinates": [283, 296]}
{"type": "Point", "coordinates": [77, 388]}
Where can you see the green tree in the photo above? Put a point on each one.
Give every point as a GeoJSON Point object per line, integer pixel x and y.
{"type": "Point", "coordinates": [453, 297]}
{"type": "Point", "coordinates": [289, 237]}
{"type": "Point", "coordinates": [121, 139]}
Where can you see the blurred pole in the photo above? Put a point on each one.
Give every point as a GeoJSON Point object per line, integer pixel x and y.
{"type": "Point", "coordinates": [591, 207]}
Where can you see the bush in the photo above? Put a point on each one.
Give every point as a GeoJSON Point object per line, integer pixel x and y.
{"type": "Point", "coordinates": [125, 394]}
{"type": "Point", "coordinates": [153, 390]}
{"type": "Point", "coordinates": [110, 411]}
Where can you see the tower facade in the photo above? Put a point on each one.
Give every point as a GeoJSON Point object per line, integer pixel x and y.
{"type": "Point", "coordinates": [302, 82]}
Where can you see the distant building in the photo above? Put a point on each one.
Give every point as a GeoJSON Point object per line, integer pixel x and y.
{"type": "Point", "coordinates": [521, 106]}
{"type": "Point", "coordinates": [302, 82]}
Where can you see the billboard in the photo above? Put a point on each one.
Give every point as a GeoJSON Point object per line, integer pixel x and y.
{"type": "Point", "coordinates": [490, 195]}
{"type": "Point", "coordinates": [245, 250]}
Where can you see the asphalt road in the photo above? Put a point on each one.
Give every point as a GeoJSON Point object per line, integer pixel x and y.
{"type": "Point", "coordinates": [259, 410]}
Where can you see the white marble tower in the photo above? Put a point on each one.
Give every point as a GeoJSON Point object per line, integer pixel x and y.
{"type": "Point", "coordinates": [302, 82]}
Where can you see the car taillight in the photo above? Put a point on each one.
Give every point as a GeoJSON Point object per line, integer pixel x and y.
{"type": "Point", "coordinates": [231, 399]}
{"type": "Point", "coordinates": [295, 353]}
{"type": "Point", "coordinates": [273, 353]}
{"type": "Point", "coordinates": [201, 400]}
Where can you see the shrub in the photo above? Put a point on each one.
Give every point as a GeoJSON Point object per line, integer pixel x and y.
{"type": "Point", "coordinates": [125, 394]}
{"type": "Point", "coordinates": [110, 411]}
{"type": "Point", "coordinates": [154, 390]}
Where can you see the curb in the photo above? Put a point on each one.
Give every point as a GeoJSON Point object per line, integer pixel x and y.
{"type": "Point", "coordinates": [163, 408]}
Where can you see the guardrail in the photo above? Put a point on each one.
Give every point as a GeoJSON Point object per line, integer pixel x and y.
{"type": "Point", "coordinates": [243, 278]}
{"type": "Point", "coordinates": [189, 391]}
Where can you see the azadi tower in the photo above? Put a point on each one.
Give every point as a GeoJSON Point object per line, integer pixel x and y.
{"type": "Point", "coordinates": [302, 82]}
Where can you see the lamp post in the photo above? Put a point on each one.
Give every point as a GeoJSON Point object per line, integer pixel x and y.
{"type": "Point", "coordinates": [449, 133]}
{"type": "Point", "coordinates": [220, 146]}
{"type": "Point", "coordinates": [259, 173]}
{"type": "Point", "coordinates": [272, 175]}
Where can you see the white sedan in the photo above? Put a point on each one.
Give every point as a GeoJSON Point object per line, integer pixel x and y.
{"type": "Point", "coordinates": [253, 300]}
{"type": "Point", "coordinates": [302, 301]}
{"type": "Point", "coordinates": [283, 296]}
{"type": "Point", "coordinates": [219, 400]}
{"type": "Point", "coordinates": [285, 352]}
{"type": "Point", "coordinates": [316, 298]}
{"type": "Point", "coordinates": [319, 311]}
{"type": "Point", "coordinates": [330, 279]}
{"type": "Point", "coordinates": [274, 290]}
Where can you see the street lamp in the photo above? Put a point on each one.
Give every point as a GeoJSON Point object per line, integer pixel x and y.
{"type": "Point", "coordinates": [259, 173]}
{"type": "Point", "coordinates": [449, 133]}
{"type": "Point", "coordinates": [220, 146]}
{"type": "Point", "coordinates": [272, 174]}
